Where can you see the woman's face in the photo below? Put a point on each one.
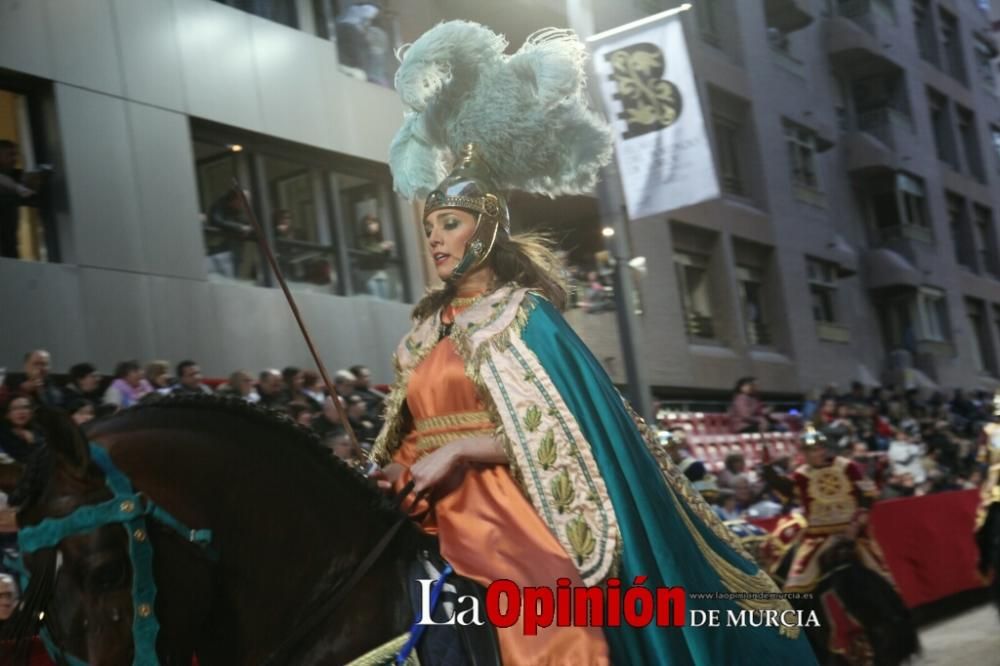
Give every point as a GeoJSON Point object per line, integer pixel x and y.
{"type": "Point", "coordinates": [83, 415]}
{"type": "Point", "coordinates": [447, 231]}
{"type": "Point", "coordinates": [19, 412]}
{"type": "Point", "coordinates": [134, 377]}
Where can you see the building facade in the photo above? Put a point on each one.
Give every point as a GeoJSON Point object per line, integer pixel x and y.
{"type": "Point", "coordinates": [857, 143]}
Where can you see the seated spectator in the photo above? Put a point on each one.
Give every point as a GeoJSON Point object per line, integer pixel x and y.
{"type": "Point", "coordinates": [312, 390]}
{"type": "Point", "coordinates": [158, 375]}
{"type": "Point", "coordinates": [19, 436]}
{"type": "Point", "coordinates": [826, 414]}
{"type": "Point", "coordinates": [189, 380]}
{"type": "Point", "coordinates": [9, 597]}
{"type": "Point", "coordinates": [906, 455]}
{"type": "Point", "coordinates": [240, 385]}
{"type": "Point", "coordinates": [362, 386]}
{"type": "Point", "coordinates": [340, 444]}
{"type": "Point", "coordinates": [747, 413]}
{"type": "Point", "coordinates": [343, 383]}
{"type": "Point", "coordinates": [675, 441]}
{"type": "Point", "coordinates": [35, 381]}
{"type": "Point", "coordinates": [84, 384]}
{"type": "Point", "coordinates": [300, 413]}
{"type": "Point", "coordinates": [329, 421]}
{"type": "Point", "coordinates": [271, 389]}
{"type": "Point", "coordinates": [293, 378]}
{"type": "Point", "coordinates": [81, 411]}
{"type": "Point", "coordinates": [129, 386]}
{"type": "Point", "coordinates": [734, 468]}
{"type": "Point", "coordinates": [365, 428]}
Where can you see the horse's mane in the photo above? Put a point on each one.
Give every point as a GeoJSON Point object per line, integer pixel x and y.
{"type": "Point", "coordinates": [291, 437]}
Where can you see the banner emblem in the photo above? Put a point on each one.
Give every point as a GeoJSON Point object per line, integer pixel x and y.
{"type": "Point", "coordinates": [649, 103]}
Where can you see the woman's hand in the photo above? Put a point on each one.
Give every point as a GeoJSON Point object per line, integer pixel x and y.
{"type": "Point", "coordinates": [433, 468]}
{"type": "Point", "coordinates": [387, 476]}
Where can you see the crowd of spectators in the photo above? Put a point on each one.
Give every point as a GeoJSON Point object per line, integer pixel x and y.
{"type": "Point", "coordinates": [909, 441]}
{"type": "Point", "coordinates": [86, 395]}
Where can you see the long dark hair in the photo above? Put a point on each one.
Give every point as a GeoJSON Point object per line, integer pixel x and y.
{"type": "Point", "coordinates": [527, 260]}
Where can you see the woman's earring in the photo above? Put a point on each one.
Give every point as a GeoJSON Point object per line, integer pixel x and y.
{"type": "Point", "coordinates": [477, 247]}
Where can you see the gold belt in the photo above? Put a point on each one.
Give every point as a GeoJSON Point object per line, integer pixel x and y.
{"type": "Point", "coordinates": [436, 431]}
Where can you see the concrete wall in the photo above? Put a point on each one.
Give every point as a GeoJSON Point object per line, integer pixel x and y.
{"type": "Point", "coordinates": [128, 75]}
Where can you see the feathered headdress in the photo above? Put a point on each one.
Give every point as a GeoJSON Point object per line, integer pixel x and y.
{"type": "Point", "coordinates": [526, 113]}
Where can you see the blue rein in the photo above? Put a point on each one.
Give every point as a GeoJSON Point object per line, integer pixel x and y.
{"type": "Point", "coordinates": [129, 509]}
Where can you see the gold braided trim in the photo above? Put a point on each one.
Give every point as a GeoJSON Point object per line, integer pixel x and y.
{"type": "Point", "coordinates": [821, 530]}
{"type": "Point", "coordinates": [386, 654]}
{"type": "Point", "coordinates": [457, 420]}
{"type": "Point", "coordinates": [465, 301]}
{"type": "Point", "coordinates": [433, 442]}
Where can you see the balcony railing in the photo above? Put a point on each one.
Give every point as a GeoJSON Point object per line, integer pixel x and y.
{"type": "Point", "coordinates": [864, 12]}
{"type": "Point", "coordinates": [885, 124]}
{"type": "Point", "coordinates": [758, 333]}
{"type": "Point", "coordinates": [698, 325]}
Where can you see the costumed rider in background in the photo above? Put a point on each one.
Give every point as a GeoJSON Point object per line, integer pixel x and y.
{"type": "Point", "coordinates": [988, 516]}
{"type": "Point", "coordinates": [863, 621]}
{"type": "Point", "coordinates": [538, 469]}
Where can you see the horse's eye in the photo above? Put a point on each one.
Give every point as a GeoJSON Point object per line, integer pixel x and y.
{"type": "Point", "coordinates": [108, 576]}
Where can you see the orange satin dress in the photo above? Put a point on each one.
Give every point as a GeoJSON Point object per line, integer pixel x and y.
{"type": "Point", "coordinates": [486, 527]}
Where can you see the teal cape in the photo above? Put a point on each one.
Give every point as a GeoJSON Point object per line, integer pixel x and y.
{"type": "Point", "coordinates": [657, 542]}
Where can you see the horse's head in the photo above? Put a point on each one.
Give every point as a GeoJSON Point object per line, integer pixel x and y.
{"type": "Point", "coordinates": [84, 581]}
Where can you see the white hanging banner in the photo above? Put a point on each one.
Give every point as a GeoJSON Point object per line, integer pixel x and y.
{"type": "Point", "coordinates": [651, 98]}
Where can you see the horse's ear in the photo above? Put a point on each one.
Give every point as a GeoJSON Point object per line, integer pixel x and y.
{"type": "Point", "coordinates": [64, 439]}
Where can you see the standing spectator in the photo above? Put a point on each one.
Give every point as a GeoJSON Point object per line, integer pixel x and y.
{"type": "Point", "coordinates": [189, 380]}
{"type": "Point", "coordinates": [19, 436]}
{"type": "Point", "coordinates": [747, 413]}
{"type": "Point", "coordinates": [362, 386]}
{"type": "Point", "coordinates": [35, 382]}
{"type": "Point", "coordinates": [84, 384]}
{"type": "Point", "coordinates": [372, 258]}
{"type": "Point", "coordinates": [16, 189]}
{"type": "Point", "coordinates": [129, 386]}
{"type": "Point", "coordinates": [232, 230]}
{"type": "Point", "coordinates": [270, 387]}
{"type": "Point", "coordinates": [240, 385]}
{"type": "Point", "coordinates": [158, 375]}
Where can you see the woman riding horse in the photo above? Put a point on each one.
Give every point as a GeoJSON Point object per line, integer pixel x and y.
{"type": "Point", "coordinates": [540, 471]}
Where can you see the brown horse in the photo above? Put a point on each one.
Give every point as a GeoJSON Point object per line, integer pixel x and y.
{"type": "Point", "coordinates": [282, 511]}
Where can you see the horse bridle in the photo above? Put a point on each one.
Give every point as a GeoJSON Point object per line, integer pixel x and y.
{"type": "Point", "coordinates": [130, 510]}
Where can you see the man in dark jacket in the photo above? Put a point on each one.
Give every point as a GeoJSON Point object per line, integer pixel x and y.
{"type": "Point", "coordinates": [35, 382]}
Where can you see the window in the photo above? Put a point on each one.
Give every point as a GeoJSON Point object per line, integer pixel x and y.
{"type": "Point", "coordinates": [366, 35]}
{"type": "Point", "coordinates": [995, 136]}
{"type": "Point", "coordinates": [932, 314]}
{"type": "Point", "coordinates": [941, 126]}
{"type": "Point", "coordinates": [332, 231]}
{"type": "Point", "coordinates": [900, 205]}
{"type": "Point", "coordinates": [958, 224]}
{"type": "Point", "coordinates": [970, 143]}
{"type": "Point", "coordinates": [951, 46]}
{"type": "Point", "coordinates": [823, 290]}
{"type": "Point", "coordinates": [802, 155]}
{"type": "Point", "coordinates": [986, 239]}
{"type": "Point", "coordinates": [751, 285]}
{"type": "Point", "coordinates": [727, 139]}
{"type": "Point", "coordinates": [709, 15]}
{"type": "Point", "coordinates": [984, 53]}
{"type": "Point", "coordinates": [27, 218]}
{"type": "Point", "coordinates": [982, 346]}
{"type": "Point", "coordinates": [923, 26]}
{"type": "Point", "coordinates": [279, 11]}
{"type": "Point", "coordinates": [693, 282]}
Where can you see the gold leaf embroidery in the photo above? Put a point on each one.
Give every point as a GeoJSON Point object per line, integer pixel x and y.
{"type": "Point", "coordinates": [581, 538]}
{"type": "Point", "coordinates": [547, 450]}
{"type": "Point", "coordinates": [533, 418]}
{"type": "Point", "coordinates": [563, 492]}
